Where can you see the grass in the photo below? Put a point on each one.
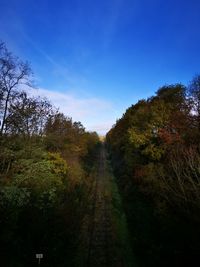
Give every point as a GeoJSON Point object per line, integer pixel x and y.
{"type": "Point", "coordinates": [119, 223]}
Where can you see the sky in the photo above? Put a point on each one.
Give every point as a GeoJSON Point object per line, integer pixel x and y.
{"type": "Point", "coordinates": [95, 58]}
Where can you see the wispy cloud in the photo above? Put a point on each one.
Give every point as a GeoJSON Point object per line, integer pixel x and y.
{"type": "Point", "coordinates": [94, 113]}
{"type": "Point", "coordinates": [59, 69]}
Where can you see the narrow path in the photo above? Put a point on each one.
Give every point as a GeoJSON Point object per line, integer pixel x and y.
{"type": "Point", "coordinates": [99, 253]}
{"type": "Point", "coordinates": [106, 237]}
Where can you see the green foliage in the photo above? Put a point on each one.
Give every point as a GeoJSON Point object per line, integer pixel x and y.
{"type": "Point", "coordinates": [136, 138]}
{"type": "Point", "coordinates": [153, 152]}
{"type": "Point", "coordinates": [14, 197]}
{"type": "Point", "coordinates": [45, 160]}
{"type": "Point", "coordinates": [154, 149]}
{"type": "Point", "coordinates": [44, 185]}
{"type": "Point", "coordinates": [59, 165]}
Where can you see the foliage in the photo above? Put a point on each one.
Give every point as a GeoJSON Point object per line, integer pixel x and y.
{"type": "Point", "coordinates": [45, 160]}
{"type": "Point", "coordinates": [155, 153]}
{"type": "Point", "coordinates": [13, 74]}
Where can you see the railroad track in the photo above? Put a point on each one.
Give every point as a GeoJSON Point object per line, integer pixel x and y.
{"type": "Point", "coordinates": [99, 240]}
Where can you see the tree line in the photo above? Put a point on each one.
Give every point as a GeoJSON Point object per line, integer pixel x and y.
{"type": "Point", "coordinates": [155, 153]}
{"type": "Point", "coordinates": [45, 165]}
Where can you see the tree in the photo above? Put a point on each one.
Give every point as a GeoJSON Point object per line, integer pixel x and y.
{"type": "Point", "coordinates": [13, 74]}
{"type": "Point", "coordinates": [194, 95]}
{"type": "Point", "coordinates": [28, 115]}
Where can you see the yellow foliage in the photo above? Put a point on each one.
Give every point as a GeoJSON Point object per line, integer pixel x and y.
{"type": "Point", "coordinates": [136, 138]}
{"type": "Point", "coordinates": [59, 164]}
{"type": "Point", "coordinates": [153, 152]}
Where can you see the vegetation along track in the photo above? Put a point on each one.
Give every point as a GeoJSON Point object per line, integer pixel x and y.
{"type": "Point", "coordinates": [106, 236]}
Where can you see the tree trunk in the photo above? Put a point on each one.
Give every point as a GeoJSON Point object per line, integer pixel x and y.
{"type": "Point", "coordinates": [5, 112]}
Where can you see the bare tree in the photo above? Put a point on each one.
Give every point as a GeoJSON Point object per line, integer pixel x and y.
{"type": "Point", "coordinates": [194, 94]}
{"type": "Point", "coordinates": [28, 115]}
{"type": "Point", "coordinates": [13, 74]}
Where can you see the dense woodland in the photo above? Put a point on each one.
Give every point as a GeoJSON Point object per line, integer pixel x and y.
{"type": "Point", "coordinates": [155, 152]}
{"type": "Point", "coordinates": [45, 162]}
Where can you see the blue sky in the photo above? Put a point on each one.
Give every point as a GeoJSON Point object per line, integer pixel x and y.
{"type": "Point", "coordinates": [95, 58]}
